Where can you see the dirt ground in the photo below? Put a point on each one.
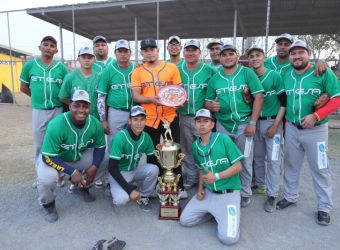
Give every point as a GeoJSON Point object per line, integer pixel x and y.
{"type": "Point", "coordinates": [80, 225]}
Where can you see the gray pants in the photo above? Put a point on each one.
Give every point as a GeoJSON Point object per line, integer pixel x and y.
{"type": "Point", "coordinates": [188, 135]}
{"type": "Point", "coordinates": [40, 119]}
{"type": "Point", "coordinates": [242, 143]}
{"type": "Point", "coordinates": [48, 176]}
{"type": "Point", "coordinates": [225, 208]}
{"type": "Point", "coordinates": [267, 157]}
{"type": "Point", "coordinates": [117, 119]}
{"type": "Point", "coordinates": [313, 142]}
{"type": "Point", "coordinates": [147, 173]}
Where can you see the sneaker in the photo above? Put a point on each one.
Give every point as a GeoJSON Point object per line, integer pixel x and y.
{"type": "Point", "coordinates": [98, 184]}
{"type": "Point", "coordinates": [260, 190]}
{"type": "Point", "coordinates": [72, 188]}
{"type": "Point", "coordinates": [282, 204]}
{"type": "Point", "coordinates": [323, 218]}
{"type": "Point", "coordinates": [34, 184]}
{"type": "Point", "coordinates": [269, 206]}
{"type": "Point", "coordinates": [50, 212]}
{"type": "Point", "coordinates": [144, 204]}
{"type": "Point", "coordinates": [245, 201]}
{"type": "Point", "coordinates": [61, 182]}
{"type": "Point", "coordinates": [183, 194]}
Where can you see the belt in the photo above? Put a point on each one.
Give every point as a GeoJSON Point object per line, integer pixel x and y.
{"type": "Point", "coordinates": [225, 191]}
{"type": "Point", "coordinates": [121, 109]}
{"type": "Point", "coordinates": [298, 126]}
{"type": "Point", "coordinates": [267, 117]}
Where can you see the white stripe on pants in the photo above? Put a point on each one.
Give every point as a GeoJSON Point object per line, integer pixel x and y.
{"type": "Point", "coordinates": [267, 169]}
{"type": "Point", "coordinates": [147, 173]}
{"type": "Point", "coordinates": [297, 143]}
{"type": "Point", "coordinates": [188, 136]}
{"type": "Point", "coordinates": [225, 208]}
{"type": "Point", "coordinates": [48, 176]}
{"type": "Point", "coordinates": [240, 140]}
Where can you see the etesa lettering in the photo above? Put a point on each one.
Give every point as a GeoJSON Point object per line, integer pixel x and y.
{"type": "Point", "coordinates": [212, 163]}
{"type": "Point", "coordinates": [230, 89]}
{"type": "Point", "coordinates": [196, 86]}
{"type": "Point", "coordinates": [120, 86]}
{"type": "Point", "coordinates": [47, 79]}
{"type": "Point", "coordinates": [270, 93]}
{"type": "Point", "coordinates": [303, 91]}
{"type": "Point", "coordinates": [74, 146]}
{"type": "Point", "coordinates": [160, 84]}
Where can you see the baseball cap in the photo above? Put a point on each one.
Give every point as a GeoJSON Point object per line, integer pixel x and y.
{"type": "Point", "coordinates": [49, 38]}
{"type": "Point", "coordinates": [81, 95]}
{"type": "Point", "coordinates": [228, 47]}
{"type": "Point", "coordinates": [285, 36]}
{"type": "Point", "coordinates": [122, 44]}
{"type": "Point", "coordinates": [85, 51]}
{"type": "Point", "coordinates": [215, 41]}
{"type": "Point", "coordinates": [99, 38]}
{"type": "Point", "coordinates": [148, 43]}
{"type": "Point", "coordinates": [254, 47]}
{"type": "Point", "coordinates": [192, 42]}
{"type": "Point", "coordinates": [204, 113]}
{"type": "Point", "coordinates": [137, 110]}
{"type": "Point", "coordinates": [174, 38]}
{"type": "Point", "coordinates": [299, 44]}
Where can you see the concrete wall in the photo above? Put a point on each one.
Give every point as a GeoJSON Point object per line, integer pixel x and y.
{"type": "Point", "coordinates": [5, 71]}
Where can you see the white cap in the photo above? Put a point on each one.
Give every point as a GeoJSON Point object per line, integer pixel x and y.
{"type": "Point", "coordinates": [174, 38]}
{"type": "Point", "coordinates": [254, 47]}
{"type": "Point", "coordinates": [299, 44]}
{"type": "Point", "coordinates": [137, 110]}
{"type": "Point", "coordinates": [81, 95]}
{"type": "Point", "coordinates": [122, 44]}
{"type": "Point", "coordinates": [214, 41]}
{"type": "Point", "coordinates": [204, 113]}
{"type": "Point", "coordinates": [86, 51]}
{"type": "Point", "coordinates": [193, 42]}
{"type": "Point", "coordinates": [285, 36]}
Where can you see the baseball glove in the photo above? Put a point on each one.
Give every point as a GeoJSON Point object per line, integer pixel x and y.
{"type": "Point", "coordinates": [321, 101]}
{"type": "Point", "coordinates": [247, 96]}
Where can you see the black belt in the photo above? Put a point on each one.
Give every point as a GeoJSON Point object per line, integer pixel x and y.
{"type": "Point", "coordinates": [225, 191]}
{"type": "Point", "coordinates": [298, 126]}
{"type": "Point", "coordinates": [267, 117]}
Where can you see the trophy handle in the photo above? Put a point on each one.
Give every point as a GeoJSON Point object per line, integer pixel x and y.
{"type": "Point", "coordinates": [158, 156]}
{"type": "Point", "coordinates": [180, 158]}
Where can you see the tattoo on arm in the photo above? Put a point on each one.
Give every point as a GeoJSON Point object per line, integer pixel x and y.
{"type": "Point", "coordinates": [101, 107]}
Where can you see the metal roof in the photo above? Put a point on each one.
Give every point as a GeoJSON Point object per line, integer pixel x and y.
{"type": "Point", "coordinates": [4, 49]}
{"type": "Point", "coordinates": [194, 18]}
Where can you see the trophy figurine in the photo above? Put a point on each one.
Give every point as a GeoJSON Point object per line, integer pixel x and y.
{"type": "Point", "coordinates": [169, 157]}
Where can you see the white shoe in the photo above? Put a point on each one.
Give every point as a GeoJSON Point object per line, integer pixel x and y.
{"type": "Point", "coordinates": [98, 184]}
{"type": "Point", "coordinates": [183, 194]}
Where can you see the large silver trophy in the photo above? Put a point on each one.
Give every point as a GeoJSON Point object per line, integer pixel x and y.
{"type": "Point", "coordinates": [169, 157]}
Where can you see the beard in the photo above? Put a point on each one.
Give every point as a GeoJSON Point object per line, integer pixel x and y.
{"type": "Point", "coordinates": [229, 66]}
{"type": "Point", "coordinates": [300, 67]}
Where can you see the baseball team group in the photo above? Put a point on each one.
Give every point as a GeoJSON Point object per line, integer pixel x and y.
{"type": "Point", "coordinates": [243, 129]}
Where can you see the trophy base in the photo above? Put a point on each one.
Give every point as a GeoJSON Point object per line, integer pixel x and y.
{"type": "Point", "coordinates": [169, 212]}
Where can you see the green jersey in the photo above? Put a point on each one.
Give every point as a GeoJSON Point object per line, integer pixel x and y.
{"type": "Point", "coordinates": [179, 64]}
{"type": "Point", "coordinates": [195, 83]}
{"type": "Point", "coordinates": [115, 84]}
{"type": "Point", "coordinates": [220, 154]}
{"type": "Point", "coordinates": [44, 81]}
{"type": "Point", "coordinates": [99, 66]}
{"type": "Point", "coordinates": [304, 89]}
{"type": "Point", "coordinates": [228, 90]}
{"type": "Point", "coordinates": [281, 68]}
{"type": "Point", "coordinates": [65, 140]}
{"type": "Point", "coordinates": [273, 86]}
{"type": "Point", "coordinates": [76, 80]}
{"type": "Point", "coordinates": [129, 151]}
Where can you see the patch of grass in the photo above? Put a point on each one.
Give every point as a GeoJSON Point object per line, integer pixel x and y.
{"type": "Point", "coordinates": [334, 144]}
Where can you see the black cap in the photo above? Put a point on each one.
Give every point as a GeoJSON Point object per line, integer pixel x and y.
{"type": "Point", "coordinates": [148, 43]}
{"type": "Point", "coordinates": [99, 38]}
{"type": "Point", "coordinates": [49, 38]}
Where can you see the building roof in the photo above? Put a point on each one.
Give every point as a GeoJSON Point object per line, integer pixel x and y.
{"type": "Point", "coordinates": [4, 49]}
{"type": "Point", "coordinates": [194, 18]}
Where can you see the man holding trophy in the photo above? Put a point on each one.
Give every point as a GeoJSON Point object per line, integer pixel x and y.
{"type": "Point", "coordinates": [218, 196]}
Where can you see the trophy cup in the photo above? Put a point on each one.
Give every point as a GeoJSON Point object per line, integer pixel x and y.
{"type": "Point", "coordinates": [169, 158]}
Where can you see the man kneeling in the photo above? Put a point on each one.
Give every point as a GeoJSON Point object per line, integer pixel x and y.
{"type": "Point", "coordinates": [219, 187]}
{"type": "Point", "coordinates": [74, 144]}
{"type": "Point", "coordinates": [126, 149]}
